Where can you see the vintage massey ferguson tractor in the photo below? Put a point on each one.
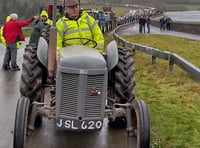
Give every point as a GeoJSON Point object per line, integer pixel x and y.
{"type": "Point", "coordinates": [85, 88]}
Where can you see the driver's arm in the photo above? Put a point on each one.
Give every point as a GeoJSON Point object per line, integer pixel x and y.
{"type": "Point", "coordinates": [60, 35]}
{"type": "Point", "coordinates": [97, 35]}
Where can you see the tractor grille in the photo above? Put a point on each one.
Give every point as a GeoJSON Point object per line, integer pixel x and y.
{"type": "Point", "coordinates": [93, 104]}
{"type": "Point", "coordinates": [69, 90]}
{"type": "Point", "coordinates": [76, 99]}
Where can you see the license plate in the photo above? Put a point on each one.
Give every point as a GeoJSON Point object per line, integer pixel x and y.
{"type": "Point", "coordinates": [77, 124]}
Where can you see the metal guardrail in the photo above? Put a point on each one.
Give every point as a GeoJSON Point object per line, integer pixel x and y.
{"type": "Point", "coordinates": [173, 58]}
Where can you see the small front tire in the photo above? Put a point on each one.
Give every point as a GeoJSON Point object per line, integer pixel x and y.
{"type": "Point", "coordinates": [21, 122]}
{"type": "Point", "coordinates": [140, 121]}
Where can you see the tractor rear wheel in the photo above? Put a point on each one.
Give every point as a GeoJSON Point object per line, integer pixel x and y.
{"type": "Point", "coordinates": [31, 77]}
{"type": "Point", "coordinates": [124, 83]}
{"type": "Point", "coordinates": [124, 77]}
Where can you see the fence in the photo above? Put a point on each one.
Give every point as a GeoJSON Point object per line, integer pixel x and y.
{"type": "Point", "coordinates": [173, 58]}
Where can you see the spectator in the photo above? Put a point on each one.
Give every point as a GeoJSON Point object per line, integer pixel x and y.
{"type": "Point", "coordinates": [18, 44]}
{"type": "Point", "coordinates": [148, 20]}
{"type": "Point", "coordinates": [12, 33]}
{"type": "Point", "coordinates": [1, 33]}
{"type": "Point", "coordinates": [142, 22]}
{"type": "Point", "coordinates": [45, 18]}
{"type": "Point", "coordinates": [168, 23]}
{"type": "Point", "coordinates": [162, 24]}
{"type": "Point", "coordinates": [36, 32]}
{"type": "Point", "coordinates": [120, 21]}
{"type": "Point", "coordinates": [44, 21]}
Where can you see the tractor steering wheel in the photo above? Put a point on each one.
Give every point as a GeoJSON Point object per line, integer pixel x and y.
{"type": "Point", "coordinates": [88, 40]}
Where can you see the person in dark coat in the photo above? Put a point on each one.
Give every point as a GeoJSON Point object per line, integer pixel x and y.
{"type": "Point", "coordinates": [162, 24]}
{"type": "Point", "coordinates": [142, 22]}
{"type": "Point", "coordinates": [140, 25]}
{"type": "Point", "coordinates": [148, 21]}
{"type": "Point", "coordinates": [168, 23]}
{"type": "Point", "coordinates": [36, 32]}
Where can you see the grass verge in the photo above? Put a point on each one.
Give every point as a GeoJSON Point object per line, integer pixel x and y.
{"type": "Point", "coordinates": [172, 97]}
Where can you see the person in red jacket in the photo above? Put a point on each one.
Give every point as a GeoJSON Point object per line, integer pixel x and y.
{"type": "Point", "coordinates": [12, 33]}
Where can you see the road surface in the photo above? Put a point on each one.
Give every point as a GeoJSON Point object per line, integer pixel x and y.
{"type": "Point", "coordinates": [155, 30]}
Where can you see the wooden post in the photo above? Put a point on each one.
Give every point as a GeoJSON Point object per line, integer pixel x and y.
{"type": "Point", "coordinates": [52, 44]}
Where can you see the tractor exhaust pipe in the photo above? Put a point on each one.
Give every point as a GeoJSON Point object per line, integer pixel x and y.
{"type": "Point", "coordinates": [52, 44]}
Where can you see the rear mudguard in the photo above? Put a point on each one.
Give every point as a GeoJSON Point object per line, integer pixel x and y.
{"type": "Point", "coordinates": [112, 55]}
{"type": "Point", "coordinates": [42, 51]}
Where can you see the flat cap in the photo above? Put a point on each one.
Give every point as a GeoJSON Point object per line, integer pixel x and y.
{"type": "Point", "coordinates": [69, 3]}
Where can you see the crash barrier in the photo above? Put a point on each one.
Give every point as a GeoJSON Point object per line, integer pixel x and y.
{"type": "Point", "coordinates": [173, 58]}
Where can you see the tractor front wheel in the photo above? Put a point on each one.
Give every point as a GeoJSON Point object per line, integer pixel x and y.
{"type": "Point", "coordinates": [140, 123]}
{"type": "Point", "coordinates": [21, 122]}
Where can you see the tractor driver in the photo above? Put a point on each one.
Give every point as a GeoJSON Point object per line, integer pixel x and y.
{"type": "Point", "coordinates": [78, 24]}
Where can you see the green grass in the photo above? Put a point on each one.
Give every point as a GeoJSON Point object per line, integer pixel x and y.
{"type": "Point", "coordinates": [172, 97]}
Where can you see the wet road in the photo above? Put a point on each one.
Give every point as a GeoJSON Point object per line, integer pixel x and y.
{"type": "Point", "coordinates": [47, 135]}
{"type": "Point", "coordinates": [155, 30]}
{"type": "Point", "coordinates": [8, 98]}
{"type": "Point", "coordinates": [185, 16]}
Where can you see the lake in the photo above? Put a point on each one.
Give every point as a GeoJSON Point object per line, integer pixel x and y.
{"type": "Point", "coordinates": [186, 16]}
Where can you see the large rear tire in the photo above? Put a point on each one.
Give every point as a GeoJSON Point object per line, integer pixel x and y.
{"type": "Point", "coordinates": [123, 83]}
{"type": "Point", "coordinates": [21, 122]}
{"type": "Point", "coordinates": [140, 121]}
{"type": "Point", "coordinates": [124, 77]}
{"type": "Point", "coordinates": [31, 77]}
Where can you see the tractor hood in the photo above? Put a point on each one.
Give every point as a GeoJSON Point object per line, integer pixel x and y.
{"type": "Point", "coordinates": [81, 57]}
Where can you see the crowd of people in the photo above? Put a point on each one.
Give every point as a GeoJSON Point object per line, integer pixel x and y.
{"type": "Point", "coordinates": [145, 21]}
{"type": "Point", "coordinates": [74, 24]}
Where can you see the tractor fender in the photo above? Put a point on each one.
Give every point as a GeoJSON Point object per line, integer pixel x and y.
{"type": "Point", "coordinates": [112, 55]}
{"type": "Point", "coordinates": [42, 51]}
